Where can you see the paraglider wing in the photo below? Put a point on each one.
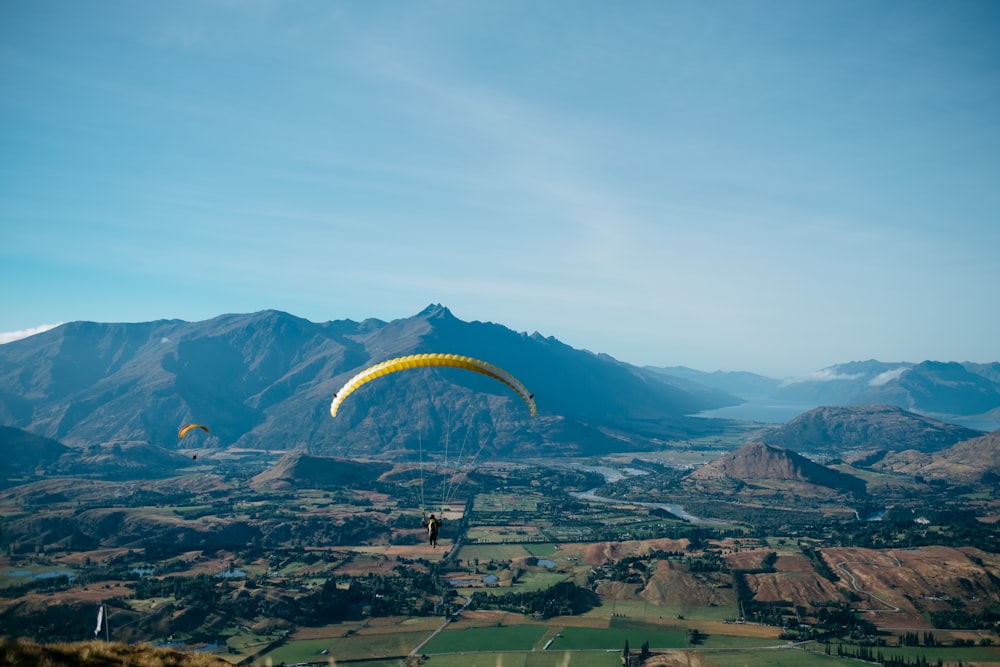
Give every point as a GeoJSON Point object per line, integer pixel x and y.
{"type": "Point", "coordinates": [184, 430]}
{"type": "Point", "coordinates": [433, 359]}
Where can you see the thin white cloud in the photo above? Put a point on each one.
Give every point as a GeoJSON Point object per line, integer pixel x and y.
{"type": "Point", "coordinates": [824, 375]}
{"type": "Point", "coordinates": [11, 336]}
{"type": "Point", "coordinates": [888, 376]}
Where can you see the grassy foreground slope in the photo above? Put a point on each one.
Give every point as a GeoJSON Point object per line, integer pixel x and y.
{"type": "Point", "coordinates": [99, 654]}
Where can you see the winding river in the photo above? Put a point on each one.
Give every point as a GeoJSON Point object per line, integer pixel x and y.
{"type": "Point", "coordinates": [676, 510]}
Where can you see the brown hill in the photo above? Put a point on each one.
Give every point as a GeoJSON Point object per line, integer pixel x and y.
{"type": "Point", "coordinates": [90, 491]}
{"type": "Point", "coordinates": [122, 460]}
{"type": "Point", "coordinates": [320, 472]}
{"type": "Point", "coordinates": [100, 654]}
{"type": "Point", "coordinates": [970, 461]}
{"type": "Point", "coordinates": [26, 454]}
{"type": "Point", "coordinates": [836, 430]}
{"type": "Point", "coordinates": [759, 462]}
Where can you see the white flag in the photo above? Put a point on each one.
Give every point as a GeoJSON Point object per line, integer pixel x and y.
{"type": "Point", "coordinates": [100, 618]}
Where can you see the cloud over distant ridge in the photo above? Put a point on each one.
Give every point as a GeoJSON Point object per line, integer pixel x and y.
{"type": "Point", "coordinates": [888, 376]}
{"type": "Point", "coordinates": [11, 336]}
{"type": "Point", "coordinates": [824, 375]}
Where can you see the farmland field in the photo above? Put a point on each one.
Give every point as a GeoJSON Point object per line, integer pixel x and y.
{"type": "Point", "coordinates": [487, 552]}
{"type": "Point", "coordinates": [772, 658]}
{"type": "Point", "coordinates": [508, 638]}
{"type": "Point", "coordinates": [350, 572]}
{"type": "Point", "coordinates": [356, 647]}
{"type": "Point", "coordinates": [528, 659]}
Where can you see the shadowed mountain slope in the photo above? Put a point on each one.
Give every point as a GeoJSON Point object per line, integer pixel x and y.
{"type": "Point", "coordinates": [24, 453]}
{"type": "Point", "coordinates": [265, 380]}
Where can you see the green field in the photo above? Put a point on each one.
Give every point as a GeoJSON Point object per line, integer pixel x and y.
{"type": "Point", "coordinates": [357, 647]}
{"type": "Point", "coordinates": [541, 550]}
{"type": "Point", "coordinates": [245, 643]}
{"type": "Point", "coordinates": [735, 641]}
{"type": "Point", "coordinates": [538, 580]}
{"type": "Point", "coordinates": [507, 638]}
{"type": "Point", "coordinates": [602, 658]}
{"type": "Point", "coordinates": [575, 639]}
{"type": "Point", "coordinates": [640, 609]}
{"type": "Point", "coordinates": [522, 645]}
{"type": "Point", "coordinates": [304, 650]}
{"type": "Point", "coordinates": [519, 646]}
{"type": "Point", "coordinates": [504, 502]}
{"type": "Point", "coordinates": [775, 658]}
{"type": "Point", "coordinates": [487, 552]}
{"type": "Point", "coordinates": [530, 659]}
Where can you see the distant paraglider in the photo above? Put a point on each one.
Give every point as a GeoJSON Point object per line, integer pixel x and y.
{"type": "Point", "coordinates": [426, 360]}
{"type": "Point", "coordinates": [187, 428]}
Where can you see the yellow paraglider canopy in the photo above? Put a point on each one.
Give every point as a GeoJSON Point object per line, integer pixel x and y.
{"type": "Point", "coordinates": [432, 359]}
{"type": "Point", "coordinates": [189, 427]}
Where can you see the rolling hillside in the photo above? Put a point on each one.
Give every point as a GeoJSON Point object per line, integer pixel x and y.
{"type": "Point", "coordinates": [832, 431]}
{"type": "Point", "coordinates": [759, 463]}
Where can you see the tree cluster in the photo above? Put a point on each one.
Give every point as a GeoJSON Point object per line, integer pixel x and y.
{"type": "Point", "coordinates": [563, 599]}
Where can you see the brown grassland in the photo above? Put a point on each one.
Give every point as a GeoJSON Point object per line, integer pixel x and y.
{"type": "Point", "coordinates": [99, 654]}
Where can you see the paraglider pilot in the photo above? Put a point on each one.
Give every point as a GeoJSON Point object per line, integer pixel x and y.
{"type": "Point", "coordinates": [433, 524]}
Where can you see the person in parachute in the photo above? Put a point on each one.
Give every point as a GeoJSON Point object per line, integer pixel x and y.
{"type": "Point", "coordinates": [433, 525]}
{"type": "Point", "coordinates": [187, 428]}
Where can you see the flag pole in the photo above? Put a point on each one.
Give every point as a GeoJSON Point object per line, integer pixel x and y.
{"type": "Point", "coordinates": [102, 618]}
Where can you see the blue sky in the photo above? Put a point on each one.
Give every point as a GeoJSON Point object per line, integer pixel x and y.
{"type": "Point", "coordinates": [771, 186]}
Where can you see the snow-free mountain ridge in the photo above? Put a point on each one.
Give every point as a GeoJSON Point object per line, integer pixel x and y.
{"type": "Point", "coordinates": [265, 380]}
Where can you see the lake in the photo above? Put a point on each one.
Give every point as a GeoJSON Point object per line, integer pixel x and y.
{"type": "Point", "coordinates": [764, 410]}
{"type": "Point", "coordinates": [767, 411]}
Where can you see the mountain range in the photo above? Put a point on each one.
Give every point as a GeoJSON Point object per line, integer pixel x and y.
{"type": "Point", "coordinates": [265, 380]}
{"type": "Point", "coordinates": [942, 389]}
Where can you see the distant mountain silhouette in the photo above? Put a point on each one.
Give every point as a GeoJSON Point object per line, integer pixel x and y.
{"type": "Point", "coordinates": [265, 380]}
{"type": "Point", "coordinates": [932, 388]}
{"type": "Point", "coordinates": [738, 383]}
{"type": "Point", "coordinates": [929, 387]}
{"type": "Point", "coordinates": [835, 430]}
